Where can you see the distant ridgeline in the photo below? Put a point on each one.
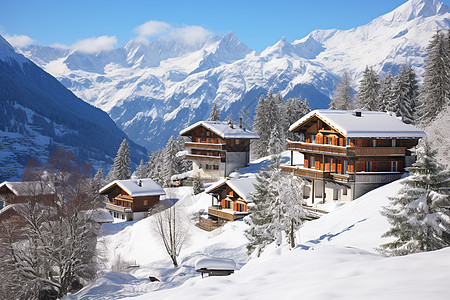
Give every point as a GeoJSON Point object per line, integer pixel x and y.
{"type": "Point", "coordinates": [37, 114]}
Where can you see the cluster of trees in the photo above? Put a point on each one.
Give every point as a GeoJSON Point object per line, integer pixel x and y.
{"type": "Point", "coordinates": [47, 248]}
{"type": "Point", "coordinates": [277, 208]}
{"type": "Point", "coordinates": [161, 166]}
{"type": "Point", "coordinates": [272, 120]}
{"type": "Point", "coordinates": [401, 94]}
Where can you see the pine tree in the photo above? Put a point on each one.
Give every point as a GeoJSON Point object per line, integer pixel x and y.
{"type": "Point", "coordinates": [368, 90]}
{"type": "Point", "coordinates": [121, 167]}
{"type": "Point", "coordinates": [435, 94]}
{"type": "Point", "coordinates": [259, 147]}
{"type": "Point", "coordinates": [420, 216]}
{"type": "Point", "coordinates": [343, 95]}
{"type": "Point", "coordinates": [296, 108]}
{"type": "Point", "coordinates": [215, 113]}
{"type": "Point", "coordinates": [404, 94]}
{"type": "Point", "coordinates": [155, 167]}
{"type": "Point", "coordinates": [169, 161]}
{"type": "Point", "coordinates": [140, 170]}
{"type": "Point", "coordinates": [197, 185]}
{"type": "Point", "coordinates": [385, 94]}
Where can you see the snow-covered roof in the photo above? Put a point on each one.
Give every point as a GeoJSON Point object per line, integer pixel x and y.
{"type": "Point", "coordinates": [131, 186]}
{"type": "Point", "coordinates": [25, 188]}
{"type": "Point", "coordinates": [222, 129]}
{"type": "Point", "coordinates": [215, 263]}
{"type": "Point", "coordinates": [369, 124]}
{"type": "Point", "coordinates": [244, 187]}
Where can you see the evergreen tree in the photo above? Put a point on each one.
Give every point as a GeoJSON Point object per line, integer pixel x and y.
{"type": "Point", "coordinates": [140, 171]}
{"type": "Point", "coordinates": [404, 94]}
{"type": "Point", "coordinates": [385, 94]}
{"type": "Point", "coordinates": [420, 216]}
{"type": "Point", "coordinates": [155, 167]}
{"type": "Point", "coordinates": [368, 90]}
{"type": "Point", "coordinates": [197, 185]}
{"type": "Point", "coordinates": [435, 94]}
{"type": "Point", "coordinates": [121, 167]}
{"type": "Point", "coordinates": [215, 113]}
{"type": "Point", "coordinates": [259, 147]}
{"type": "Point", "coordinates": [343, 95]}
{"type": "Point", "coordinates": [296, 108]}
{"type": "Point", "coordinates": [169, 161]}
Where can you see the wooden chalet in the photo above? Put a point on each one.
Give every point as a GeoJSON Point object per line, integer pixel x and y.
{"type": "Point", "coordinates": [217, 148]}
{"type": "Point", "coordinates": [348, 153]}
{"type": "Point", "coordinates": [131, 199]}
{"type": "Point", "coordinates": [230, 198]}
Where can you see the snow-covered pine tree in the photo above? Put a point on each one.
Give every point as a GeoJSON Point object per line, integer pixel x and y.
{"type": "Point", "coordinates": [121, 167]}
{"type": "Point", "coordinates": [385, 93]}
{"type": "Point", "coordinates": [261, 216]}
{"type": "Point", "coordinates": [437, 134]}
{"type": "Point", "coordinates": [214, 115]}
{"type": "Point", "coordinates": [420, 217]}
{"type": "Point", "coordinates": [197, 185]}
{"type": "Point", "coordinates": [181, 165]}
{"type": "Point", "coordinates": [140, 170]}
{"type": "Point", "coordinates": [259, 146]}
{"type": "Point", "coordinates": [404, 94]}
{"type": "Point", "coordinates": [169, 161]}
{"type": "Point", "coordinates": [343, 95]}
{"type": "Point", "coordinates": [435, 94]}
{"type": "Point", "coordinates": [296, 108]}
{"type": "Point", "coordinates": [368, 90]}
{"type": "Point", "coordinates": [155, 167]}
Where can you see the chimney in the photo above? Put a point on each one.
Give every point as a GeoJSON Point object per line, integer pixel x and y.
{"type": "Point", "coordinates": [240, 123]}
{"type": "Point", "coordinates": [140, 183]}
{"type": "Point", "coordinates": [357, 113]}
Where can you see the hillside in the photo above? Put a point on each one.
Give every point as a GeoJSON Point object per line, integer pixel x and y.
{"type": "Point", "coordinates": [154, 90]}
{"type": "Point", "coordinates": [335, 257]}
{"type": "Point", "coordinates": [37, 114]}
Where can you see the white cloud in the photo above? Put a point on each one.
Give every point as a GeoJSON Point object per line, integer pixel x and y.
{"type": "Point", "coordinates": [18, 41]}
{"type": "Point", "coordinates": [191, 35]}
{"type": "Point", "coordinates": [58, 45]}
{"type": "Point", "coordinates": [152, 28]}
{"type": "Point", "coordinates": [95, 44]}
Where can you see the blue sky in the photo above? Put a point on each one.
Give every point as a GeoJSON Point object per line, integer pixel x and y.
{"type": "Point", "coordinates": [259, 24]}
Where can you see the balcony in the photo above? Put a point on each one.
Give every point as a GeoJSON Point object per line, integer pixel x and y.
{"type": "Point", "coordinates": [206, 146]}
{"type": "Point", "coordinates": [226, 214]}
{"type": "Point", "coordinates": [118, 208]}
{"type": "Point", "coordinates": [196, 157]}
{"type": "Point", "coordinates": [346, 151]}
{"type": "Point", "coordinates": [317, 148]}
{"type": "Point", "coordinates": [316, 174]}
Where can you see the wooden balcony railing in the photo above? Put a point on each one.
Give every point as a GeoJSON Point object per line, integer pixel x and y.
{"type": "Point", "coordinates": [206, 146]}
{"type": "Point", "coordinates": [118, 208]}
{"type": "Point", "coordinates": [216, 159]}
{"type": "Point", "coordinates": [316, 174]}
{"type": "Point", "coordinates": [346, 151]}
{"type": "Point", "coordinates": [317, 148]}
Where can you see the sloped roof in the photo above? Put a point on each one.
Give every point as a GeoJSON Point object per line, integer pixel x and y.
{"type": "Point", "coordinates": [244, 187]}
{"type": "Point", "coordinates": [222, 129]}
{"type": "Point", "coordinates": [369, 124]}
{"type": "Point", "coordinates": [25, 188]}
{"type": "Point", "coordinates": [131, 187]}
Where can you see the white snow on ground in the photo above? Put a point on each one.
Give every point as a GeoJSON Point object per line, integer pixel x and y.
{"type": "Point", "coordinates": [335, 257]}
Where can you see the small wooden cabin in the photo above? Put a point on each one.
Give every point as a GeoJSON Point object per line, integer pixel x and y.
{"type": "Point", "coordinates": [217, 148]}
{"type": "Point", "coordinates": [132, 199]}
{"type": "Point", "coordinates": [230, 198]}
{"type": "Point", "coordinates": [348, 153]}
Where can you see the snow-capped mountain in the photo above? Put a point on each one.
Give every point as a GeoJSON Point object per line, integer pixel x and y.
{"type": "Point", "coordinates": [37, 114]}
{"type": "Point", "coordinates": [154, 89]}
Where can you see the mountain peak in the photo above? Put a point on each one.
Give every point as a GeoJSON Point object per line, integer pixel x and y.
{"type": "Point", "coordinates": [7, 52]}
{"type": "Point", "coordinates": [414, 9]}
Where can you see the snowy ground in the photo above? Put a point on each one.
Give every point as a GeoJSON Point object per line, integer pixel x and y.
{"type": "Point", "coordinates": [335, 257]}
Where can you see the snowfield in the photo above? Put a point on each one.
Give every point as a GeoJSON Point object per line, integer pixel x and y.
{"type": "Point", "coordinates": [335, 257]}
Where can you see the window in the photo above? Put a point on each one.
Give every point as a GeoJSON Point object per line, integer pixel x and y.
{"type": "Point", "coordinates": [238, 142]}
{"type": "Point", "coordinates": [344, 191]}
{"type": "Point", "coordinates": [208, 133]}
{"type": "Point", "coordinates": [348, 142]}
{"type": "Point", "coordinates": [345, 167]}
{"type": "Point", "coordinates": [394, 166]}
{"type": "Point", "coordinates": [394, 143]}
{"type": "Point", "coordinates": [216, 167]}
{"type": "Point", "coordinates": [313, 138]}
{"type": "Point", "coordinates": [312, 161]}
{"type": "Point", "coordinates": [330, 140]}
{"type": "Point", "coordinates": [145, 202]}
{"type": "Point", "coordinates": [368, 166]}
{"type": "Point", "coordinates": [331, 165]}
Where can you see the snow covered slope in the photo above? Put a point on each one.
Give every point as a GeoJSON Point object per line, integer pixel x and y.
{"type": "Point", "coordinates": [335, 257]}
{"type": "Point", "coordinates": [153, 90]}
{"type": "Point", "coordinates": [37, 114]}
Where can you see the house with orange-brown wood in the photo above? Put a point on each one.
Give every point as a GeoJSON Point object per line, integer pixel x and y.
{"type": "Point", "coordinates": [230, 198]}
{"type": "Point", "coordinates": [217, 148]}
{"type": "Point", "coordinates": [131, 199]}
{"type": "Point", "coordinates": [348, 153]}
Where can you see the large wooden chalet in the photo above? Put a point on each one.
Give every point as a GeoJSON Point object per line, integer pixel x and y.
{"type": "Point", "coordinates": [131, 199]}
{"type": "Point", "coordinates": [230, 198]}
{"type": "Point", "coordinates": [217, 148]}
{"type": "Point", "coordinates": [348, 153]}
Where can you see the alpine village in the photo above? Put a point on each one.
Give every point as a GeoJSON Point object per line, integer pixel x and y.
{"type": "Point", "coordinates": [157, 175]}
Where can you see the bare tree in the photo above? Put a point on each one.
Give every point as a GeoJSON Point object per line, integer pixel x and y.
{"type": "Point", "coordinates": [171, 226]}
{"type": "Point", "coordinates": [48, 245]}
